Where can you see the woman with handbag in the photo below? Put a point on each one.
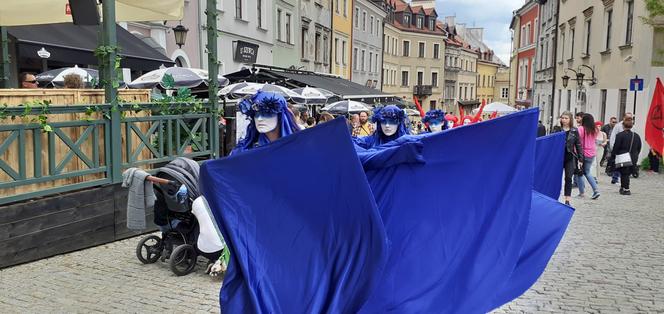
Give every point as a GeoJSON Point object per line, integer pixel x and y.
{"type": "Point", "coordinates": [588, 134]}
{"type": "Point", "coordinates": [572, 152]}
{"type": "Point", "coordinates": [626, 153]}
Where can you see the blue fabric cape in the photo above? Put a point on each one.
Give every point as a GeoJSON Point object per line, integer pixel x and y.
{"type": "Point", "coordinates": [456, 223]}
{"type": "Point", "coordinates": [300, 242]}
{"type": "Point", "coordinates": [549, 154]}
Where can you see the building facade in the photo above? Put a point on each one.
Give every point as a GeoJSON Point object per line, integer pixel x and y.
{"type": "Point", "coordinates": [525, 54]}
{"type": "Point", "coordinates": [501, 90]}
{"type": "Point", "coordinates": [367, 48]}
{"type": "Point", "coordinates": [315, 36]}
{"type": "Point", "coordinates": [413, 54]}
{"type": "Point", "coordinates": [608, 41]}
{"type": "Point", "coordinates": [545, 60]}
{"type": "Point", "coordinates": [246, 33]}
{"type": "Point", "coordinates": [286, 23]}
{"type": "Point", "coordinates": [342, 32]}
{"type": "Point", "coordinates": [460, 69]}
{"type": "Point", "coordinates": [515, 26]}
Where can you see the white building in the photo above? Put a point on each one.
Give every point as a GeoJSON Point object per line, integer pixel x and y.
{"type": "Point", "coordinates": [545, 61]}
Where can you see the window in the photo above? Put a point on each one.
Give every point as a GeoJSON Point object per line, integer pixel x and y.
{"type": "Point", "coordinates": [471, 92]}
{"type": "Point", "coordinates": [336, 6]}
{"type": "Point", "coordinates": [420, 78]}
{"type": "Point", "coordinates": [434, 79]}
{"type": "Point", "coordinates": [364, 21]}
{"type": "Point", "coordinates": [622, 106]}
{"type": "Point", "coordinates": [377, 26]}
{"type": "Point", "coordinates": [362, 60]}
{"type": "Point", "coordinates": [279, 24]}
{"type": "Point", "coordinates": [344, 58]}
{"type": "Point", "coordinates": [406, 19]}
{"type": "Point", "coordinates": [357, 17]}
{"type": "Point", "coordinates": [317, 47]}
{"type": "Point", "coordinates": [370, 61]}
{"type": "Point", "coordinates": [586, 49]}
{"type": "Point", "coordinates": [572, 32]}
{"type": "Point", "coordinates": [523, 36]}
{"type": "Point", "coordinates": [259, 12]}
{"type": "Point", "coordinates": [562, 46]}
{"type": "Point", "coordinates": [376, 63]}
{"type": "Point", "coordinates": [436, 51]}
{"type": "Point", "coordinates": [432, 104]}
{"type": "Point", "coordinates": [303, 48]}
{"type": "Point", "coordinates": [288, 28]}
{"type": "Point", "coordinates": [465, 92]}
{"type": "Point", "coordinates": [420, 21]}
{"type": "Point", "coordinates": [569, 99]}
{"type": "Point", "coordinates": [460, 91]}
{"type": "Point", "coordinates": [336, 50]}
{"type": "Point", "coordinates": [238, 9]}
{"type": "Point", "coordinates": [421, 52]}
{"type": "Point", "coordinates": [432, 23]}
{"type": "Point", "coordinates": [602, 100]}
{"type": "Point", "coordinates": [609, 26]}
{"type": "Point", "coordinates": [371, 25]}
{"type": "Point", "coordinates": [345, 10]}
{"type": "Point", "coordinates": [483, 81]}
{"type": "Point", "coordinates": [326, 51]}
{"type": "Point", "coordinates": [630, 22]}
{"type": "Point", "coordinates": [504, 92]}
{"type": "Point", "coordinates": [406, 48]}
{"type": "Point", "coordinates": [404, 78]}
{"type": "Point", "coordinates": [355, 63]}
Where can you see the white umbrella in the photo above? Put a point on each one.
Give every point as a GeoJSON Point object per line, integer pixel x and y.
{"type": "Point", "coordinates": [182, 77]}
{"type": "Point", "coordinates": [500, 108]}
{"type": "Point", "coordinates": [283, 91]}
{"type": "Point", "coordinates": [229, 91]}
{"type": "Point", "coordinates": [314, 95]}
{"type": "Point", "coordinates": [57, 77]}
{"type": "Point", "coordinates": [411, 112]}
{"type": "Point", "coordinates": [346, 107]}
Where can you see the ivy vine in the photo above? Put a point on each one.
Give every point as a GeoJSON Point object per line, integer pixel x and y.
{"type": "Point", "coordinates": [655, 8]}
{"type": "Point", "coordinates": [41, 110]}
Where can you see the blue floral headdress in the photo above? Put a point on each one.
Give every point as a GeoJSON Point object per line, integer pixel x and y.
{"type": "Point", "coordinates": [381, 115]}
{"type": "Point", "coordinates": [390, 112]}
{"type": "Point", "coordinates": [263, 102]}
{"type": "Point", "coordinates": [435, 116]}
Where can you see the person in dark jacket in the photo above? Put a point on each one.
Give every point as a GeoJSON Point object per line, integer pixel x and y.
{"type": "Point", "coordinates": [626, 142]}
{"type": "Point", "coordinates": [572, 151]}
{"type": "Point", "coordinates": [607, 128]}
{"type": "Point", "coordinates": [541, 129]}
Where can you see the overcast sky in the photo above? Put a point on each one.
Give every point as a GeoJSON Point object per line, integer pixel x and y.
{"type": "Point", "coordinates": [493, 15]}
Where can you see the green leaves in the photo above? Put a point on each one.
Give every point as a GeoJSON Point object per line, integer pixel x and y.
{"type": "Point", "coordinates": [168, 82]}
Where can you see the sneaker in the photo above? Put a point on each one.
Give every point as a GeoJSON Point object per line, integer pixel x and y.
{"type": "Point", "coordinates": [614, 181]}
{"type": "Point", "coordinates": [625, 192]}
{"type": "Point", "coordinates": [595, 195]}
{"type": "Point", "coordinates": [581, 195]}
{"type": "Point", "coordinates": [567, 203]}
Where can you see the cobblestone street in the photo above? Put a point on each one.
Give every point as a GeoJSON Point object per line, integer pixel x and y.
{"type": "Point", "coordinates": [610, 260]}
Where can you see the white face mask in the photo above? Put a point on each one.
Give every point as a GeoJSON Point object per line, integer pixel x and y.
{"type": "Point", "coordinates": [389, 129]}
{"type": "Point", "coordinates": [436, 127]}
{"type": "Point", "coordinates": [265, 125]}
{"type": "Point", "coordinates": [466, 122]}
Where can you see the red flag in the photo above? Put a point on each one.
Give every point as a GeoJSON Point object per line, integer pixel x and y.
{"type": "Point", "coordinates": [419, 107]}
{"type": "Point", "coordinates": [655, 120]}
{"type": "Point", "coordinates": [493, 115]}
{"type": "Point", "coordinates": [461, 115]}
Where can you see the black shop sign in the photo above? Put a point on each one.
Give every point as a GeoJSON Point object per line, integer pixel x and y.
{"type": "Point", "coordinates": [245, 52]}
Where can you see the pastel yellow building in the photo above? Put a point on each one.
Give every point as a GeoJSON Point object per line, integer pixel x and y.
{"type": "Point", "coordinates": [342, 30]}
{"type": "Point", "coordinates": [486, 80]}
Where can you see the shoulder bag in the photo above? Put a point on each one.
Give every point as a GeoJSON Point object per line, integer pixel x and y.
{"type": "Point", "coordinates": [625, 159]}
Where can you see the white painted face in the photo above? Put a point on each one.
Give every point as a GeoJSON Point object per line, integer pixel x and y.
{"type": "Point", "coordinates": [389, 129]}
{"type": "Point", "coordinates": [436, 127]}
{"type": "Point", "coordinates": [266, 124]}
{"type": "Point", "coordinates": [466, 121]}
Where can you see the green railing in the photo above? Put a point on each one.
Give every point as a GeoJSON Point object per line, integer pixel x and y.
{"type": "Point", "coordinates": [90, 157]}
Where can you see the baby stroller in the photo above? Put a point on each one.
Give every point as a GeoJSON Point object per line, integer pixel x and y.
{"type": "Point", "coordinates": [181, 214]}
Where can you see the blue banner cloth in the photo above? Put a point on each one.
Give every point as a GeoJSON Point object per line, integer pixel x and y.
{"type": "Point", "coordinates": [456, 223]}
{"type": "Point", "coordinates": [301, 241]}
{"type": "Point", "coordinates": [549, 154]}
{"type": "Point", "coordinates": [548, 222]}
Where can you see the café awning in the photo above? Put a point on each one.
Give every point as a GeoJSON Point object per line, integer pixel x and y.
{"type": "Point", "coordinates": [33, 12]}
{"type": "Point", "coordinates": [75, 44]}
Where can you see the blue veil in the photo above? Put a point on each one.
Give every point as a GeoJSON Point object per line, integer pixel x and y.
{"type": "Point", "coordinates": [379, 138]}
{"type": "Point", "coordinates": [265, 102]}
{"type": "Point", "coordinates": [435, 116]}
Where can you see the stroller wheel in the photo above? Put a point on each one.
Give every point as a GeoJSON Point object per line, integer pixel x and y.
{"type": "Point", "coordinates": [149, 249]}
{"type": "Point", "coordinates": [183, 259]}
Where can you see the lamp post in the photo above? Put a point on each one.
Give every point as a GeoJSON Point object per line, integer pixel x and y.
{"type": "Point", "coordinates": [180, 33]}
{"type": "Point", "coordinates": [580, 77]}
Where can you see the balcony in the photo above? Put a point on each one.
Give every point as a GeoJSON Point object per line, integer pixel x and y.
{"type": "Point", "coordinates": [422, 90]}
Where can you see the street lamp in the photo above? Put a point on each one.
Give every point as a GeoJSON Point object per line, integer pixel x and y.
{"type": "Point", "coordinates": [580, 77]}
{"type": "Point", "coordinates": [565, 80]}
{"type": "Point", "coordinates": [180, 33]}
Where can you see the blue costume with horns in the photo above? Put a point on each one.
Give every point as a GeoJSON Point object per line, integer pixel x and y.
{"type": "Point", "coordinates": [382, 115]}
{"type": "Point", "coordinates": [268, 104]}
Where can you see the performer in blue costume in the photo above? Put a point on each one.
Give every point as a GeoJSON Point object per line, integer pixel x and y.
{"type": "Point", "coordinates": [270, 120]}
{"type": "Point", "coordinates": [435, 119]}
{"type": "Point", "coordinates": [391, 124]}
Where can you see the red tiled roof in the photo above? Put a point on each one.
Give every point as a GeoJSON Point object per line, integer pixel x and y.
{"type": "Point", "coordinates": [430, 10]}
{"type": "Point", "coordinates": [402, 6]}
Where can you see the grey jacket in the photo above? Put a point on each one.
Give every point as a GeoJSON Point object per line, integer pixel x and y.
{"type": "Point", "coordinates": [141, 197]}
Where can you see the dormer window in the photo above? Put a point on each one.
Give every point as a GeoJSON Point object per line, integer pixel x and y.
{"type": "Point", "coordinates": [406, 19]}
{"type": "Point", "coordinates": [432, 23]}
{"type": "Point", "coordinates": [420, 21]}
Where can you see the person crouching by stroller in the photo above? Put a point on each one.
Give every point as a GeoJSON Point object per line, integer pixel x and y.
{"type": "Point", "coordinates": [625, 154]}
